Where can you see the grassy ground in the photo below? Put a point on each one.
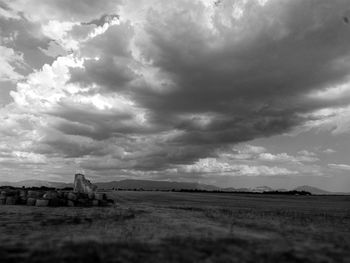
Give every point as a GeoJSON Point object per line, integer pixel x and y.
{"type": "Point", "coordinates": [181, 227]}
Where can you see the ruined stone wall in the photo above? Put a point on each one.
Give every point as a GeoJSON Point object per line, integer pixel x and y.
{"type": "Point", "coordinates": [82, 185]}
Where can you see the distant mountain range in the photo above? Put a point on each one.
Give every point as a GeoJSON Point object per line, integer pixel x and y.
{"type": "Point", "coordinates": [164, 185]}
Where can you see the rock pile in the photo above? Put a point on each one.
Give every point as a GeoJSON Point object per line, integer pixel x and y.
{"type": "Point", "coordinates": [52, 198]}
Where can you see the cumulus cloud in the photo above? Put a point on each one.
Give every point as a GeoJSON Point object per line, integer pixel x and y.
{"type": "Point", "coordinates": [329, 151]}
{"type": "Point", "coordinates": [339, 166]}
{"type": "Point", "coordinates": [152, 86]}
{"type": "Point", "coordinates": [8, 61]}
{"type": "Point", "coordinates": [219, 167]}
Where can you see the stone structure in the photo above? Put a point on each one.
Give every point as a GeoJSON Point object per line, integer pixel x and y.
{"type": "Point", "coordinates": [82, 185]}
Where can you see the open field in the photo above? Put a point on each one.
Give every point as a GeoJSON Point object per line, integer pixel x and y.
{"type": "Point", "coordinates": [181, 227]}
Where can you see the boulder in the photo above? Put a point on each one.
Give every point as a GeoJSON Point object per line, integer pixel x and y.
{"type": "Point", "coordinates": [82, 185]}
{"type": "Point", "coordinates": [31, 201]}
{"type": "Point", "coordinates": [42, 202]}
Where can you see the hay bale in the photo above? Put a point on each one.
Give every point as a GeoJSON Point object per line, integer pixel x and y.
{"type": "Point", "coordinates": [82, 195]}
{"type": "Point", "coordinates": [95, 202]}
{"type": "Point", "coordinates": [42, 202]}
{"type": "Point", "coordinates": [2, 200]}
{"type": "Point", "coordinates": [22, 200]}
{"type": "Point", "coordinates": [91, 195]}
{"type": "Point", "coordinates": [100, 196]}
{"type": "Point", "coordinates": [60, 194]}
{"type": "Point", "coordinates": [50, 195]}
{"type": "Point", "coordinates": [11, 200]}
{"type": "Point", "coordinates": [31, 201]}
{"type": "Point", "coordinates": [10, 192]}
{"type": "Point", "coordinates": [33, 194]}
{"type": "Point", "coordinates": [22, 193]}
{"type": "Point", "coordinates": [72, 196]}
{"type": "Point", "coordinates": [70, 203]}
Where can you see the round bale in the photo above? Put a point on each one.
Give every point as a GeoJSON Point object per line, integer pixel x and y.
{"type": "Point", "coordinates": [22, 193]}
{"type": "Point", "coordinates": [11, 200]}
{"type": "Point", "coordinates": [22, 200]}
{"type": "Point", "coordinates": [31, 201]}
{"type": "Point", "coordinates": [71, 196]}
{"type": "Point", "coordinates": [42, 202]}
{"type": "Point", "coordinates": [50, 195]}
{"type": "Point", "coordinates": [91, 195]}
{"type": "Point", "coordinates": [100, 196]}
{"type": "Point", "coordinates": [60, 194]}
{"type": "Point", "coordinates": [33, 194]}
{"type": "Point", "coordinates": [2, 200]}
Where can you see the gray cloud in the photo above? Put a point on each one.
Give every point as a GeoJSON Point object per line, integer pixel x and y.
{"type": "Point", "coordinates": [229, 83]}
{"type": "Point", "coordinates": [176, 82]}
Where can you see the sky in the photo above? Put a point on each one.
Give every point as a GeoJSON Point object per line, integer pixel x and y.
{"type": "Point", "coordinates": [238, 93]}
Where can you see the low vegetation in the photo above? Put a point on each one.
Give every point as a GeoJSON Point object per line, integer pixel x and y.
{"type": "Point", "coordinates": [181, 227]}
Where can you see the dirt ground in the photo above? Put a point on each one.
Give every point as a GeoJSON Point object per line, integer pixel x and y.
{"type": "Point", "coordinates": [181, 227]}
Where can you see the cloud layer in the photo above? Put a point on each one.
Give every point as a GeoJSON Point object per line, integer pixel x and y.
{"type": "Point", "coordinates": [153, 87]}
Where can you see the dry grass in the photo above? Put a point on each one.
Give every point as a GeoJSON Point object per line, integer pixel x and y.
{"type": "Point", "coordinates": [181, 227]}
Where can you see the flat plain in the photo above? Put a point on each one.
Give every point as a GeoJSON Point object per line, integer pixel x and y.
{"type": "Point", "coordinates": [181, 227]}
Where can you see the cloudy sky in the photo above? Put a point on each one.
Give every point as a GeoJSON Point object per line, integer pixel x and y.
{"type": "Point", "coordinates": [232, 93]}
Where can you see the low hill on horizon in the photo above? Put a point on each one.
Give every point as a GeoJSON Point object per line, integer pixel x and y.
{"type": "Point", "coordinates": [164, 185]}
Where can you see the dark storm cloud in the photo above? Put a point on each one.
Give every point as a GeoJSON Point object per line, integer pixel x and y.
{"type": "Point", "coordinates": [87, 120]}
{"type": "Point", "coordinates": [25, 37]}
{"type": "Point", "coordinates": [107, 71]}
{"type": "Point", "coordinates": [254, 81]}
{"type": "Point", "coordinates": [231, 82]}
{"type": "Point", "coordinates": [111, 70]}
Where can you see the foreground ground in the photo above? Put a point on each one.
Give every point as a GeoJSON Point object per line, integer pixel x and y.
{"type": "Point", "coordinates": [181, 227]}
